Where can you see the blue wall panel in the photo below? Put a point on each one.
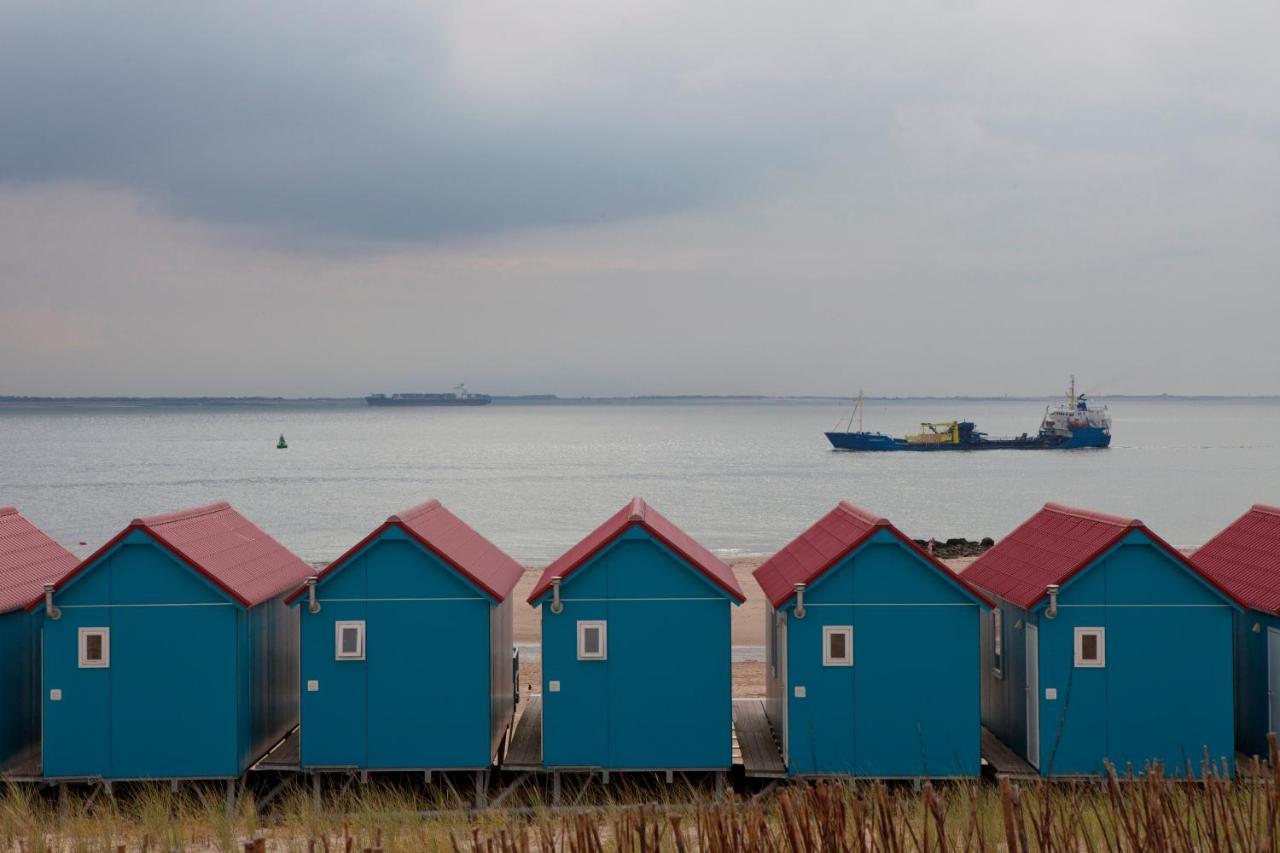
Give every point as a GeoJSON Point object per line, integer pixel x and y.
{"type": "Point", "coordinates": [662, 699]}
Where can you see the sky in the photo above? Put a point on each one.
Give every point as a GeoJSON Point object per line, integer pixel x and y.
{"type": "Point", "coordinates": [598, 198]}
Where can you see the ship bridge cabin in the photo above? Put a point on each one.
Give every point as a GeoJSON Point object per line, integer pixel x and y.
{"type": "Point", "coordinates": [872, 654]}
{"type": "Point", "coordinates": [407, 649]}
{"type": "Point", "coordinates": [169, 653]}
{"type": "Point", "coordinates": [636, 649]}
{"type": "Point", "coordinates": [1107, 645]}
{"type": "Point", "coordinates": [29, 559]}
{"type": "Point", "coordinates": [1244, 559]}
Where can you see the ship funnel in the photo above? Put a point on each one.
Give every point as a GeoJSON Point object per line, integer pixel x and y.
{"type": "Point", "coordinates": [799, 601]}
{"type": "Point", "coordinates": [1051, 612]}
{"type": "Point", "coordinates": [557, 606]}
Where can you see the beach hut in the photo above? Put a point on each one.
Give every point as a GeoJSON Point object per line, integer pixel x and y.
{"type": "Point", "coordinates": [1107, 644]}
{"type": "Point", "coordinates": [1244, 559]}
{"type": "Point", "coordinates": [871, 653]}
{"type": "Point", "coordinates": [169, 653]}
{"type": "Point", "coordinates": [28, 560]}
{"type": "Point", "coordinates": [636, 649]}
{"type": "Point", "coordinates": [407, 649]}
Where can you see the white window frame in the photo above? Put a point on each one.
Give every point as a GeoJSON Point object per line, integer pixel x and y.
{"type": "Point", "coordinates": [829, 631]}
{"type": "Point", "coordinates": [1101, 634]}
{"type": "Point", "coordinates": [603, 626]}
{"type": "Point", "coordinates": [997, 642]}
{"type": "Point", "coordinates": [338, 628]}
{"type": "Point", "coordinates": [83, 636]}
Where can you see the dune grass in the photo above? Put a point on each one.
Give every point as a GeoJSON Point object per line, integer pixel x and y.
{"type": "Point", "coordinates": [1121, 813]}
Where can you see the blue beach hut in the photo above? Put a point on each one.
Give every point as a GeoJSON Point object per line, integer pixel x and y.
{"type": "Point", "coordinates": [636, 649]}
{"type": "Point", "coordinates": [407, 649]}
{"type": "Point", "coordinates": [169, 653]}
{"type": "Point", "coordinates": [28, 560]}
{"type": "Point", "coordinates": [1107, 645]}
{"type": "Point", "coordinates": [872, 653]}
{"type": "Point", "coordinates": [1244, 559]}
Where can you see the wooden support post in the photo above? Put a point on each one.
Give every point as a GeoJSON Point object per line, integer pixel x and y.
{"type": "Point", "coordinates": [173, 786]}
{"type": "Point", "coordinates": [315, 790]}
{"type": "Point", "coordinates": [671, 776]}
{"type": "Point", "coordinates": [604, 777]}
{"type": "Point", "coordinates": [231, 798]}
{"type": "Point", "coordinates": [719, 784]}
{"type": "Point", "coordinates": [482, 786]}
{"type": "Point", "coordinates": [364, 777]}
{"type": "Point", "coordinates": [426, 776]}
{"type": "Point", "coordinates": [555, 787]}
{"type": "Point", "coordinates": [63, 805]}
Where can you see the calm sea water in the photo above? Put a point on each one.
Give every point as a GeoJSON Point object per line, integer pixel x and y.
{"type": "Point", "coordinates": [744, 478]}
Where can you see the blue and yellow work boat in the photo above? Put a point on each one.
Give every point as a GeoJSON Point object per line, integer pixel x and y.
{"type": "Point", "coordinates": [1070, 424]}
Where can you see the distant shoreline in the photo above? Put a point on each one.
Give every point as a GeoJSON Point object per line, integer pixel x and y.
{"type": "Point", "coordinates": [122, 402]}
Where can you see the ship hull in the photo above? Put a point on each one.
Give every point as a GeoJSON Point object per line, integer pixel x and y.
{"type": "Point", "coordinates": [402, 402]}
{"type": "Point", "coordinates": [878, 442]}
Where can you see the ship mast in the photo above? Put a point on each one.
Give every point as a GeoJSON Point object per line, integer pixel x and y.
{"type": "Point", "coordinates": [859, 410]}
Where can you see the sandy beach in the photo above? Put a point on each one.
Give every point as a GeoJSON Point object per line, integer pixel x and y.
{"type": "Point", "coordinates": [748, 626]}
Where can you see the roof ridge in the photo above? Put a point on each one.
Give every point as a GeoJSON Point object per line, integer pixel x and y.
{"type": "Point", "coordinates": [637, 509]}
{"type": "Point", "coordinates": [180, 515]}
{"type": "Point", "coordinates": [415, 511]}
{"type": "Point", "coordinates": [864, 514]}
{"type": "Point", "coordinates": [1264, 508]}
{"type": "Point", "coordinates": [1093, 515]}
{"type": "Point", "coordinates": [8, 510]}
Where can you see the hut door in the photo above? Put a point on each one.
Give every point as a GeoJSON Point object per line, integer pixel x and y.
{"type": "Point", "coordinates": [1273, 680]}
{"type": "Point", "coordinates": [1033, 696]}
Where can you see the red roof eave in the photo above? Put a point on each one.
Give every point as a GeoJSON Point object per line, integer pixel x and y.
{"type": "Point", "coordinates": [883, 524]}
{"type": "Point", "coordinates": [545, 584]}
{"type": "Point", "coordinates": [368, 540]}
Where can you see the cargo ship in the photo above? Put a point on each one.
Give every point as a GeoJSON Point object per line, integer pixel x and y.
{"type": "Point", "coordinates": [1066, 425]}
{"type": "Point", "coordinates": [460, 396]}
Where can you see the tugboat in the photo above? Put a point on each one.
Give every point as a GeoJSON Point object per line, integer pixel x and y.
{"type": "Point", "coordinates": [1067, 425]}
{"type": "Point", "coordinates": [460, 397]}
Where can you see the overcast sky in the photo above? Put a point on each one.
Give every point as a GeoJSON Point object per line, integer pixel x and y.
{"type": "Point", "coordinates": [641, 197]}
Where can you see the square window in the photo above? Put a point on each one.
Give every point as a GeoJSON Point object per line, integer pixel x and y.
{"type": "Point", "coordinates": [95, 648]}
{"type": "Point", "coordinates": [593, 641]}
{"type": "Point", "coordinates": [837, 645]}
{"type": "Point", "coordinates": [1091, 647]}
{"type": "Point", "coordinates": [348, 640]}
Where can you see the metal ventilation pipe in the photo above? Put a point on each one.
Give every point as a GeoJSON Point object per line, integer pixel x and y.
{"type": "Point", "coordinates": [54, 613]}
{"type": "Point", "coordinates": [313, 604]}
{"type": "Point", "coordinates": [799, 601]}
{"type": "Point", "coordinates": [1051, 612]}
{"type": "Point", "coordinates": [557, 606]}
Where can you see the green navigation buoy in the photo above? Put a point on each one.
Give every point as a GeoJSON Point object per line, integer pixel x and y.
{"type": "Point", "coordinates": [282, 444]}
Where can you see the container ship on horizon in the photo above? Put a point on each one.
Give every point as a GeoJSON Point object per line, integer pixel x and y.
{"type": "Point", "coordinates": [460, 396]}
{"type": "Point", "coordinates": [1068, 425]}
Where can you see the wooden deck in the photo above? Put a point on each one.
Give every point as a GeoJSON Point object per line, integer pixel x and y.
{"type": "Point", "coordinates": [286, 755]}
{"type": "Point", "coordinates": [525, 750]}
{"type": "Point", "coordinates": [761, 755]}
{"type": "Point", "coordinates": [1003, 760]}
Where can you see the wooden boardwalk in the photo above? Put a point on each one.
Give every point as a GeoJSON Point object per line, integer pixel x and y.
{"type": "Point", "coordinates": [525, 750]}
{"type": "Point", "coordinates": [1003, 760]}
{"type": "Point", "coordinates": [761, 755]}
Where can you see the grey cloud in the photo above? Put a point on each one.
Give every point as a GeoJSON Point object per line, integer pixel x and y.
{"type": "Point", "coordinates": [348, 126]}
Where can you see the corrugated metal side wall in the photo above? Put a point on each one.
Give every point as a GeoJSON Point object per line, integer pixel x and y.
{"type": "Point", "coordinates": [20, 683]}
{"type": "Point", "coordinates": [501, 673]}
{"type": "Point", "coordinates": [272, 676]}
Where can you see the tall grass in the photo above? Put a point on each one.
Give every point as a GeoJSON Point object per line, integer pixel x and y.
{"type": "Point", "coordinates": [1123, 812]}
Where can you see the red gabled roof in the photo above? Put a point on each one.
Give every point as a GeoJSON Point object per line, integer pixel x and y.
{"type": "Point", "coordinates": [637, 512]}
{"type": "Point", "coordinates": [449, 538]}
{"type": "Point", "coordinates": [827, 543]}
{"type": "Point", "coordinates": [1053, 546]}
{"type": "Point", "coordinates": [215, 541]}
{"type": "Point", "coordinates": [29, 559]}
{"type": "Point", "coordinates": [1244, 558]}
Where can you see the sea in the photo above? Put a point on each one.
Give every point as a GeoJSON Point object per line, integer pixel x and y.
{"type": "Point", "coordinates": [743, 477]}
